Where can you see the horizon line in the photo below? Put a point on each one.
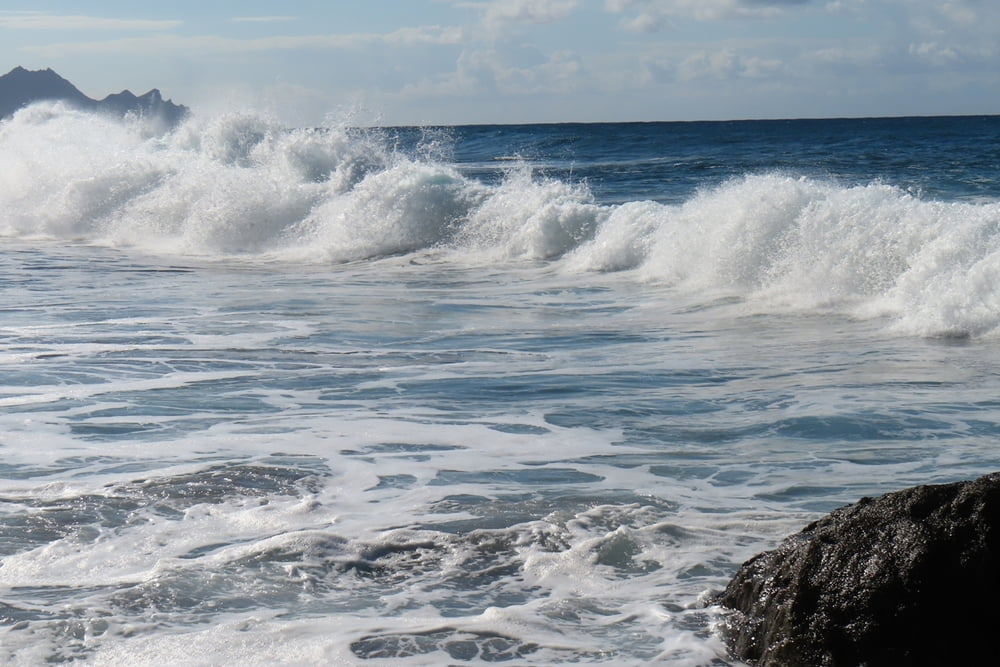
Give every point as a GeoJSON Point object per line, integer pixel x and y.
{"type": "Point", "coordinates": [704, 120]}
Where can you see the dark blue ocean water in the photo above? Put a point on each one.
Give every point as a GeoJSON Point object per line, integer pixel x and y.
{"type": "Point", "coordinates": [521, 394]}
{"type": "Point", "coordinates": [938, 157]}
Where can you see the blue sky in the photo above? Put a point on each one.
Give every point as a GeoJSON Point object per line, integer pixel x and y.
{"type": "Point", "coordinates": [505, 61]}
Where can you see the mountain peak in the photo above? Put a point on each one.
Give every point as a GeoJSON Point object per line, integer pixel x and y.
{"type": "Point", "coordinates": [20, 87]}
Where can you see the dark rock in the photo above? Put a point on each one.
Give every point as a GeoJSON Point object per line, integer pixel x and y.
{"type": "Point", "coordinates": [150, 104]}
{"type": "Point", "coordinates": [909, 578]}
{"type": "Point", "coordinates": [20, 87]}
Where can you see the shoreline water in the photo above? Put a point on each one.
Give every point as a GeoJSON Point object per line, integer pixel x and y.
{"type": "Point", "coordinates": [296, 397]}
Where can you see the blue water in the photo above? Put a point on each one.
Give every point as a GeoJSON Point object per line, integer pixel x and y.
{"type": "Point", "coordinates": [465, 395]}
{"type": "Point", "coordinates": [936, 157]}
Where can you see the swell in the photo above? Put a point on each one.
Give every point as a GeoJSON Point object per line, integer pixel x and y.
{"type": "Point", "coordinates": [240, 185]}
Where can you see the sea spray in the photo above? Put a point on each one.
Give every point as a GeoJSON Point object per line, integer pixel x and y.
{"type": "Point", "coordinates": [240, 185]}
{"type": "Point", "coordinates": [533, 219]}
{"type": "Point", "coordinates": [782, 242]}
{"type": "Point", "coordinates": [338, 396]}
{"type": "Point", "coordinates": [405, 208]}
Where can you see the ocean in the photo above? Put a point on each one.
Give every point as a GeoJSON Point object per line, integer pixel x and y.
{"type": "Point", "coordinates": [459, 395]}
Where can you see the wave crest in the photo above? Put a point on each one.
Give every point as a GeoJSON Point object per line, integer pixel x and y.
{"type": "Point", "coordinates": [785, 242]}
{"type": "Point", "coordinates": [242, 185]}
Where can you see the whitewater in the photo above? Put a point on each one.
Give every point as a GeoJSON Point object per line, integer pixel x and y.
{"type": "Point", "coordinates": [345, 395]}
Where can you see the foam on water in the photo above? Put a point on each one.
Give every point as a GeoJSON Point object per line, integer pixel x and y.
{"type": "Point", "coordinates": [403, 462]}
{"type": "Point", "coordinates": [783, 241]}
{"type": "Point", "coordinates": [239, 185]}
{"type": "Point", "coordinates": [341, 401]}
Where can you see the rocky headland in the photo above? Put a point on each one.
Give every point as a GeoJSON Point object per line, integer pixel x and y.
{"type": "Point", "coordinates": [20, 87]}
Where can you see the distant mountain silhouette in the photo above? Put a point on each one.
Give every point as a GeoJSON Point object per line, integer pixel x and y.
{"type": "Point", "coordinates": [20, 87]}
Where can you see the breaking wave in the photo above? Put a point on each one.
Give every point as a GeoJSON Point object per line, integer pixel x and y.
{"type": "Point", "coordinates": [242, 186]}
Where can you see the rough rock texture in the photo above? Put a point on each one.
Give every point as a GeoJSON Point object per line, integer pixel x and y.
{"type": "Point", "coordinates": [909, 578]}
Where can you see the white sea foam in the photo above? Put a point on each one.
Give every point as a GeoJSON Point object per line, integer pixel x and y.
{"type": "Point", "coordinates": [414, 460]}
{"type": "Point", "coordinates": [525, 218]}
{"type": "Point", "coordinates": [787, 242]}
{"type": "Point", "coordinates": [239, 185]}
{"type": "Point", "coordinates": [541, 431]}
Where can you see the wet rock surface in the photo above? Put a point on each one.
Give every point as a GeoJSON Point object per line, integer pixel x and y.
{"type": "Point", "coordinates": [908, 578]}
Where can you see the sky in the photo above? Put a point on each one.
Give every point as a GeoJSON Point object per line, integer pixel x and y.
{"type": "Point", "coordinates": [444, 62]}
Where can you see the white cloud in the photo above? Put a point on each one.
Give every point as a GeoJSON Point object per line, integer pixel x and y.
{"type": "Point", "coordinates": [710, 66]}
{"type": "Point", "coordinates": [725, 64]}
{"type": "Point", "coordinates": [529, 11]}
{"type": "Point", "coordinates": [934, 53]}
{"type": "Point", "coordinates": [172, 43]}
{"type": "Point", "coordinates": [487, 70]}
{"type": "Point", "coordinates": [498, 14]}
{"type": "Point", "coordinates": [263, 19]}
{"type": "Point", "coordinates": [556, 59]}
{"type": "Point", "coordinates": [846, 6]}
{"type": "Point", "coordinates": [654, 15]}
{"type": "Point", "coordinates": [958, 11]}
{"type": "Point", "coordinates": [949, 35]}
{"type": "Point", "coordinates": [559, 74]}
{"type": "Point", "coordinates": [855, 55]}
{"type": "Point", "coordinates": [46, 21]}
{"type": "Point", "coordinates": [957, 17]}
{"type": "Point", "coordinates": [441, 35]}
